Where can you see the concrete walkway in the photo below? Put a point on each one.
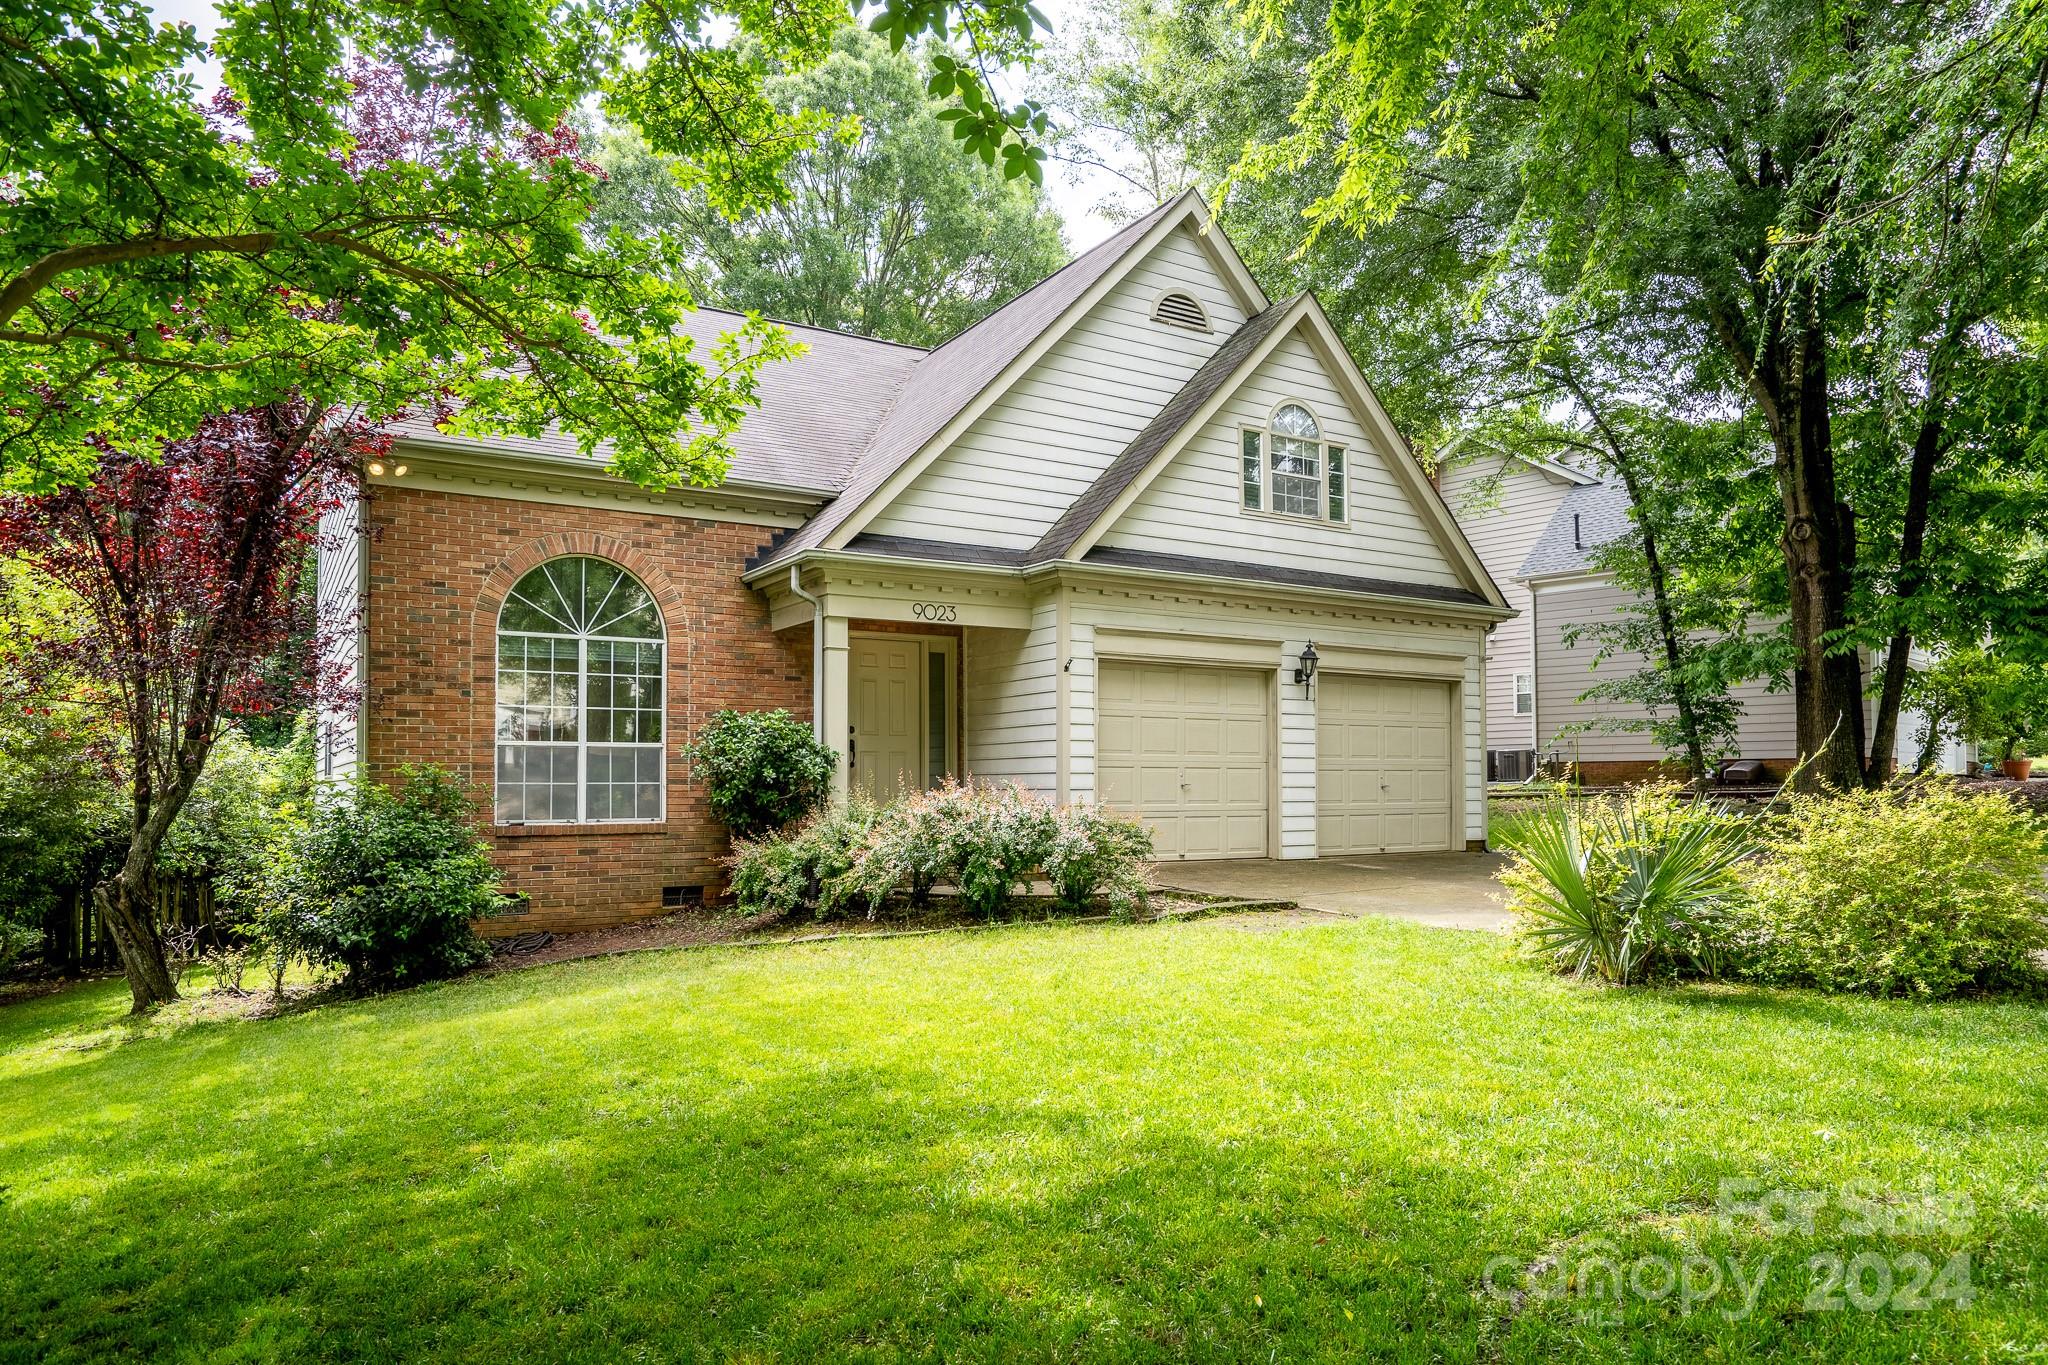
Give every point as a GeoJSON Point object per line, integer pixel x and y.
{"type": "Point", "coordinates": [1448, 890]}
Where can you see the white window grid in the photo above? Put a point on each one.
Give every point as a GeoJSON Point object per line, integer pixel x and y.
{"type": "Point", "coordinates": [583, 744]}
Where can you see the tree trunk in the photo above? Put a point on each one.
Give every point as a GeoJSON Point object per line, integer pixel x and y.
{"type": "Point", "coordinates": [126, 906]}
{"type": "Point", "coordinates": [1912, 572]}
{"type": "Point", "coordinates": [1660, 587]}
{"type": "Point", "coordinates": [1819, 549]}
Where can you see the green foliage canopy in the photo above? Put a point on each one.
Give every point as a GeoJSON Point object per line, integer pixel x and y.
{"type": "Point", "coordinates": [884, 231]}
{"type": "Point", "coordinates": [383, 211]}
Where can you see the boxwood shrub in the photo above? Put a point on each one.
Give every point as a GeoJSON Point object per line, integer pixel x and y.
{"type": "Point", "coordinates": [762, 770]}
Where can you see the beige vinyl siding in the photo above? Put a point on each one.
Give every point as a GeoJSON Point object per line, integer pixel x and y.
{"type": "Point", "coordinates": [338, 592]}
{"type": "Point", "coordinates": [1011, 705]}
{"type": "Point", "coordinates": [1503, 505]}
{"type": "Point", "coordinates": [1767, 729]}
{"type": "Point", "coordinates": [1194, 505]}
{"type": "Point", "coordinates": [1045, 440]}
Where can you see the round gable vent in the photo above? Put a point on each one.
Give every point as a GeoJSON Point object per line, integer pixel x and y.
{"type": "Point", "coordinates": [1181, 310]}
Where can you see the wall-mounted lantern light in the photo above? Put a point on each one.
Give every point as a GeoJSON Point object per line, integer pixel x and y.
{"type": "Point", "coordinates": [1305, 671]}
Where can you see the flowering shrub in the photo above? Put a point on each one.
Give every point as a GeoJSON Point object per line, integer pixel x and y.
{"type": "Point", "coordinates": [1097, 851]}
{"type": "Point", "coordinates": [998, 834]}
{"type": "Point", "coordinates": [1922, 892]}
{"type": "Point", "coordinates": [910, 848]}
{"type": "Point", "coordinates": [985, 841]}
{"type": "Point", "coordinates": [805, 870]}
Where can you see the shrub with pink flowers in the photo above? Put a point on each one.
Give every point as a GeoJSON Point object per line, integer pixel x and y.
{"type": "Point", "coordinates": [985, 842]}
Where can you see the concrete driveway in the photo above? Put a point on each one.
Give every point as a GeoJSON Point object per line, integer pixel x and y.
{"type": "Point", "coordinates": [1448, 890]}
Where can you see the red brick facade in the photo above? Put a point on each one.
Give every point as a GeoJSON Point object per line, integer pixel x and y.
{"type": "Point", "coordinates": [440, 565]}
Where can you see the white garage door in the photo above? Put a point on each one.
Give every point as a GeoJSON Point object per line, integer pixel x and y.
{"type": "Point", "coordinates": [1186, 748]}
{"type": "Point", "coordinates": [1383, 765]}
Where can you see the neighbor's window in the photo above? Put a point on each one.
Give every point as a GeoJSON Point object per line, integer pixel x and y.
{"type": "Point", "coordinates": [1289, 468]}
{"type": "Point", "coordinates": [580, 645]}
{"type": "Point", "coordinates": [1525, 694]}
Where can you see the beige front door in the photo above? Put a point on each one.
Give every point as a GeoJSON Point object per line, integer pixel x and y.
{"type": "Point", "coordinates": [888, 677]}
{"type": "Point", "coordinates": [1383, 765]}
{"type": "Point", "coordinates": [1186, 748]}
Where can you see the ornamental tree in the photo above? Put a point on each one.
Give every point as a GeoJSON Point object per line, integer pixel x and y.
{"type": "Point", "coordinates": [323, 236]}
{"type": "Point", "coordinates": [185, 563]}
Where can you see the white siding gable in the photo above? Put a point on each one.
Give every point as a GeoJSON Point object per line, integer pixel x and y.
{"type": "Point", "coordinates": [1194, 506]}
{"type": "Point", "coordinates": [1504, 504]}
{"type": "Point", "coordinates": [1013, 472]}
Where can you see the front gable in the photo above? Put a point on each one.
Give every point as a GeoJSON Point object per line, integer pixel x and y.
{"type": "Point", "coordinates": [1195, 504]}
{"type": "Point", "coordinates": [1049, 435]}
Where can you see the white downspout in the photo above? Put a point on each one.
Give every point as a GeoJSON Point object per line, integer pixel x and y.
{"type": "Point", "coordinates": [796, 587]}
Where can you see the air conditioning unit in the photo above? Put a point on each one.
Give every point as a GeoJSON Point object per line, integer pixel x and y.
{"type": "Point", "coordinates": [1510, 765]}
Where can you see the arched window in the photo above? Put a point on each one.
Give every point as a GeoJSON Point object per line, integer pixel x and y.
{"type": "Point", "coordinates": [580, 689]}
{"type": "Point", "coordinates": [1290, 469]}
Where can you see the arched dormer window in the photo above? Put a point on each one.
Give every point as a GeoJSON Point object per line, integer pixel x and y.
{"type": "Point", "coordinates": [1290, 469]}
{"type": "Point", "coordinates": [580, 697]}
{"type": "Point", "coordinates": [1178, 309]}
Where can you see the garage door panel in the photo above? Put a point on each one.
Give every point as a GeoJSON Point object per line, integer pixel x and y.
{"type": "Point", "coordinates": [1157, 787]}
{"type": "Point", "coordinates": [1383, 765]}
{"type": "Point", "coordinates": [1158, 687]}
{"type": "Point", "coordinates": [1187, 748]}
{"type": "Point", "coordinates": [1244, 737]}
{"type": "Point", "coordinates": [1159, 736]}
{"type": "Point", "coordinates": [1244, 789]}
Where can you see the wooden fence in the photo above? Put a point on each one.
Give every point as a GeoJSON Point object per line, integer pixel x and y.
{"type": "Point", "coordinates": [75, 939]}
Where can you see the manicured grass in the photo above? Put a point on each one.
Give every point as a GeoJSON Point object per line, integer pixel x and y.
{"type": "Point", "coordinates": [1193, 1141]}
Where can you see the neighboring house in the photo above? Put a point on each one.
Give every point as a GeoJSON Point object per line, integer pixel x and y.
{"type": "Point", "coordinates": [1538, 526]}
{"type": "Point", "coordinates": [1084, 546]}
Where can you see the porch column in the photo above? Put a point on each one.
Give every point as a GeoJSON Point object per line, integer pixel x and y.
{"type": "Point", "coordinates": [835, 716]}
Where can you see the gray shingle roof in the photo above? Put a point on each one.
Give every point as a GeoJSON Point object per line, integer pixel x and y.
{"type": "Point", "coordinates": [1587, 517]}
{"type": "Point", "coordinates": [948, 379]}
{"type": "Point", "coordinates": [1177, 412]}
{"type": "Point", "coordinates": [816, 412]}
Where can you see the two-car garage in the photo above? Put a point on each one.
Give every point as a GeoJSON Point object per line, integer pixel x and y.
{"type": "Point", "coordinates": [1195, 750]}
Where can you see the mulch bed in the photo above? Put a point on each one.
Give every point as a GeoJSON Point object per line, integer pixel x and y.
{"type": "Point", "coordinates": [2033, 793]}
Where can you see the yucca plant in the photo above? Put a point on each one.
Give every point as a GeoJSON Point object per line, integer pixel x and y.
{"type": "Point", "coordinates": [1615, 889]}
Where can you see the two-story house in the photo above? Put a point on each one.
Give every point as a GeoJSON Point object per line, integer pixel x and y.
{"type": "Point", "coordinates": [1143, 535]}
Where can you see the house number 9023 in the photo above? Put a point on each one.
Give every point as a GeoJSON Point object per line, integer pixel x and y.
{"type": "Point", "coordinates": [934, 611]}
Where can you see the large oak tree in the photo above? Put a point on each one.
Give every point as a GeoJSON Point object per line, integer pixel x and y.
{"type": "Point", "coordinates": [884, 231]}
{"type": "Point", "coordinates": [1829, 219]}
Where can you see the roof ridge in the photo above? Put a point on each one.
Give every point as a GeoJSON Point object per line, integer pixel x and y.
{"type": "Point", "coordinates": [969, 330]}
{"type": "Point", "coordinates": [1143, 221]}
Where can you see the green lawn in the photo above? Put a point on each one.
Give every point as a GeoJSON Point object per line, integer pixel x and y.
{"type": "Point", "coordinates": [1192, 1141]}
